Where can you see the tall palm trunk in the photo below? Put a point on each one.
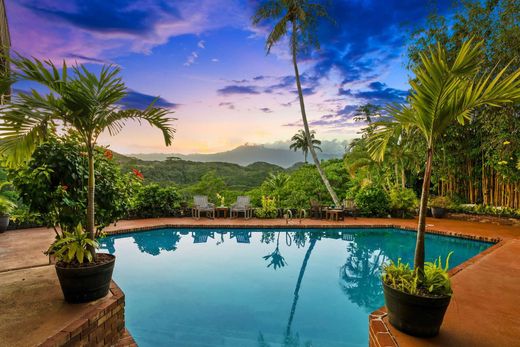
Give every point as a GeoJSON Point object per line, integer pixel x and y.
{"type": "Point", "coordinates": [298, 285]}
{"type": "Point", "coordinates": [403, 176]}
{"type": "Point", "coordinates": [421, 229]}
{"type": "Point", "coordinates": [91, 197]}
{"type": "Point", "coordinates": [306, 124]}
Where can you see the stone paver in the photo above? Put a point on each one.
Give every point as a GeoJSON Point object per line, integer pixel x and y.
{"type": "Point", "coordinates": [32, 306]}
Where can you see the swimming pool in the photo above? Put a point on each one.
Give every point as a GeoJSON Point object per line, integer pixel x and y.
{"type": "Point", "coordinates": [261, 287]}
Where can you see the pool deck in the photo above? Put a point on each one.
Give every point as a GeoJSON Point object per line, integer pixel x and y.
{"type": "Point", "coordinates": [482, 312]}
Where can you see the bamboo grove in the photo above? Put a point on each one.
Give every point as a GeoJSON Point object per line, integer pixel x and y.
{"type": "Point", "coordinates": [475, 163]}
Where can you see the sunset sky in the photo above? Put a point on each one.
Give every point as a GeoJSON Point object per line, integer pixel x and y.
{"type": "Point", "coordinates": [208, 64]}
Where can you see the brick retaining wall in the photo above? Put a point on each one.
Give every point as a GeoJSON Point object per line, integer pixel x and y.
{"type": "Point", "coordinates": [102, 325]}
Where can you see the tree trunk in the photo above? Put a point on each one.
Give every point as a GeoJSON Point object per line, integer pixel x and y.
{"type": "Point", "coordinates": [91, 198]}
{"type": "Point", "coordinates": [396, 173]}
{"type": "Point", "coordinates": [421, 228]}
{"type": "Point", "coordinates": [306, 124]}
{"type": "Point", "coordinates": [305, 155]}
{"type": "Point", "coordinates": [403, 176]}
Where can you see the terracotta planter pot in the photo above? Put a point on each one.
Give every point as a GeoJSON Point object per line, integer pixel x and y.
{"type": "Point", "coordinates": [438, 212]}
{"type": "Point", "coordinates": [84, 284]}
{"type": "Point", "coordinates": [4, 223]}
{"type": "Point", "coordinates": [415, 315]}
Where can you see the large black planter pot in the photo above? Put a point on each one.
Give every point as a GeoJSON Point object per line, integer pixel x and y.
{"type": "Point", "coordinates": [4, 223]}
{"type": "Point", "coordinates": [438, 212]}
{"type": "Point", "coordinates": [415, 315]}
{"type": "Point", "coordinates": [84, 284]}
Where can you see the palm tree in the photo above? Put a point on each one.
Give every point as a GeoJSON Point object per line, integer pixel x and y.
{"type": "Point", "coordinates": [365, 113]}
{"type": "Point", "coordinates": [84, 102]}
{"type": "Point", "coordinates": [300, 16]}
{"type": "Point", "coordinates": [299, 142]}
{"type": "Point", "coordinates": [444, 91]}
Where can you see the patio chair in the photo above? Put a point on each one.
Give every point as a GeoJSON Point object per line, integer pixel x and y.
{"type": "Point", "coordinates": [243, 205]}
{"type": "Point", "coordinates": [201, 204]}
{"type": "Point", "coordinates": [241, 236]}
{"type": "Point", "coordinates": [350, 207]}
{"type": "Point", "coordinates": [317, 211]}
{"type": "Point", "coordinates": [202, 236]}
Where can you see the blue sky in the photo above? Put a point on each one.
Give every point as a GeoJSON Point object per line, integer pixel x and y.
{"type": "Point", "coordinates": [208, 64]}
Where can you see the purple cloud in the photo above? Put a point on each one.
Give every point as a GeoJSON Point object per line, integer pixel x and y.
{"type": "Point", "coordinates": [234, 89]}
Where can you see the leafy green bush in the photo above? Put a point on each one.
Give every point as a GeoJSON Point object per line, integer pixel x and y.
{"type": "Point", "coordinates": [155, 201]}
{"type": "Point", "coordinates": [487, 210]}
{"type": "Point", "coordinates": [440, 201]}
{"type": "Point", "coordinates": [268, 209]}
{"type": "Point", "coordinates": [53, 184]}
{"type": "Point", "coordinates": [372, 201]}
{"type": "Point", "coordinates": [402, 201]}
{"type": "Point", "coordinates": [435, 282]}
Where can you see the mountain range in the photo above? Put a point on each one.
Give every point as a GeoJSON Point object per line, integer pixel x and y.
{"type": "Point", "coordinates": [242, 155]}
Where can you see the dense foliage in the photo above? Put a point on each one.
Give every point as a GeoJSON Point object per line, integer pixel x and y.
{"type": "Point", "coordinates": [155, 201]}
{"type": "Point", "coordinates": [268, 208]}
{"type": "Point", "coordinates": [372, 201]}
{"type": "Point", "coordinates": [185, 173]}
{"type": "Point", "coordinates": [479, 162]}
{"type": "Point", "coordinates": [53, 185]}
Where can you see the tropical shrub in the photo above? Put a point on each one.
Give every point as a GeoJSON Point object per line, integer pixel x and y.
{"type": "Point", "coordinates": [402, 201]}
{"type": "Point", "coordinates": [209, 184]}
{"type": "Point", "coordinates": [440, 201]}
{"type": "Point", "coordinates": [434, 282]}
{"type": "Point", "coordinates": [372, 201]}
{"type": "Point", "coordinates": [53, 185]}
{"type": "Point", "coordinates": [486, 210]}
{"type": "Point", "coordinates": [73, 247]}
{"type": "Point", "coordinates": [268, 209]}
{"type": "Point", "coordinates": [153, 200]}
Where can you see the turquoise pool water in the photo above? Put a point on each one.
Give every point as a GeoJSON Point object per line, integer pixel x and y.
{"type": "Point", "coordinates": [238, 287]}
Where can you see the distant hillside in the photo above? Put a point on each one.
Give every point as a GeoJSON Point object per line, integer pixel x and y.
{"type": "Point", "coordinates": [242, 155]}
{"type": "Point", "coordinates": [184, 172]}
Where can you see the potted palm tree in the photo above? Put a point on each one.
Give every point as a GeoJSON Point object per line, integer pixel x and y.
{"type": "Point", "coordinates": [444, 91]}
{"type": "Point", "coordinates": [88, 104]}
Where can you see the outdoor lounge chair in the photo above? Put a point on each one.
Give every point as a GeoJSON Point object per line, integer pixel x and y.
{"type": "Point", "coordinates": [201, 204]}
{"type": "Point", "coordinates": [241, 236]}
{"type": "Point", "coordinates": [243, 205]}
{"type": "Point", "coordinates": [202, 236]}
{"type": "Point", "coordinates": [350, 207]}
{"type": "Point", "coordinates": [317, 211]}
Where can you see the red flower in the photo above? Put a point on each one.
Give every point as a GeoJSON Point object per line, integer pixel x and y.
{"type": "Point", "coordinates": [108, 153]}
{"type": "Point", "coordinates": [138, 173]}
{"type": "Point", "coordinates": [64, 186]}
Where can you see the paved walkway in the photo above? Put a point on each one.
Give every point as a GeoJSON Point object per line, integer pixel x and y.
{"type": "Point", "coordinates": [483, 311]}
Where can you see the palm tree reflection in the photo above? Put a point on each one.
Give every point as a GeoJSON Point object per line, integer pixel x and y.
{"type": "Point", "coordinates": [360, 275]}
{"type": "Point", "coordinates": [291, 340]}
{"type": "Point", "coordinates": [277, 260]}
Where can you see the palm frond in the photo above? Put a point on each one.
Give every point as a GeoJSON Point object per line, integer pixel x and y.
{"type": "Point", "coordinates": [25, 124]}
{"type": "Point", "coordinates": [156, 117]}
